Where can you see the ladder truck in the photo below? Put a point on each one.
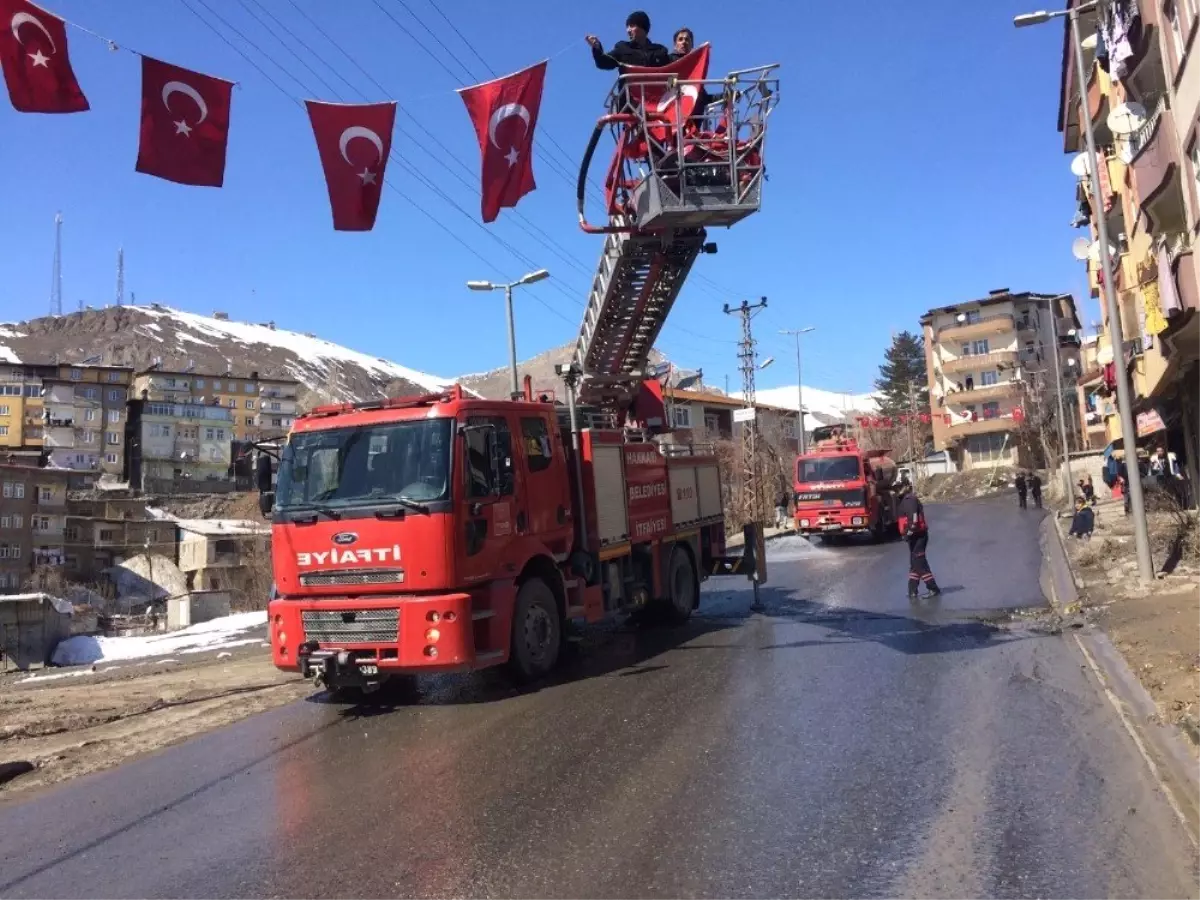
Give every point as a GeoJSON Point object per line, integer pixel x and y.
{"type": "Point", "coordinates": [449, 533]}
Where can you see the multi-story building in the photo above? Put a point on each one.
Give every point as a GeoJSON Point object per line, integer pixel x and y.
{"type": "Point", "coordinates": [277, 409]}
{"type": "Point", "coordinates": [988, 361]}
{"type": "Point", "coordinates": [699, 415]}
{"type": "Point", "coordinates": [32, 508]}
{"type": "Point", "coordinates": [183, 424]}
{"type": "Point", "coordinates": [20, 406]}
{"type": "Point", "coordinates": [1144, 112]}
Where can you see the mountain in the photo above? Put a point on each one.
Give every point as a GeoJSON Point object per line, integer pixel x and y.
{"type": "Point", "coordinates": [826, 407]}
{"type": "Point", "coordinates": [137, 336]}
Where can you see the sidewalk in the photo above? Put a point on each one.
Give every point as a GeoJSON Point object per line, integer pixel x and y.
{"type": "Point", "coordinates": [1156, 627]}
{"type": "Point", "coordinates": [736, 540]}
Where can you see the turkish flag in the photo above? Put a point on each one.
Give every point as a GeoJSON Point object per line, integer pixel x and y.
{"type": "Point", "coordinates": [354, 141]}
{"type": "Point", "coordinates": [185, 124]}
{"type": "Point", "coordinates": [505, 113]}
{"type": "Point", "coordinates": [33, 54]}
{"type": "Point", "coordinates": [650, 88]}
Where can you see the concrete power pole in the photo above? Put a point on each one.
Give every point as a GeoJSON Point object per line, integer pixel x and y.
{"type": "Point", "coordinates": [120, 276]}
{"type": "Point", "coordinates": [753, 509]}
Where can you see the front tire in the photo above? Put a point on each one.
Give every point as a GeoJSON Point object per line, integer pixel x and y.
{"type": "Point", "coordinates": [537, 632]}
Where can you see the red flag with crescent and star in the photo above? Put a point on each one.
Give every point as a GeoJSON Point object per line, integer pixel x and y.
{"type": "Point", "coordinates": [33, 55]}
{"type": "Point", "coordinates": [505, 113]}
{"type": "Point", "coordinates": [354, 141]}
{"type": "Point", "coordinates": [185, 124]}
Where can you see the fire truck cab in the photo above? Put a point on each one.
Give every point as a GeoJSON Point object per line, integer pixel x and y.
{"type": "Point", "coordinates": [841, 489]}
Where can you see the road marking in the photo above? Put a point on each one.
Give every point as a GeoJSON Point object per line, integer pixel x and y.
{"type": "Point", "coordinates": [1137, 740]}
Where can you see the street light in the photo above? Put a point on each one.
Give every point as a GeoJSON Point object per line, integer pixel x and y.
{"type": "Point", "coordinates": [766, 362]}
{"type": "Point", "coordinates": [528, 278]}
{"type": "Point", "coordinates": [1062, 421]}
{"type": "Point", "coordinates": [1137, 504]}
{"type": "Point", "coordinates": [799, 386]}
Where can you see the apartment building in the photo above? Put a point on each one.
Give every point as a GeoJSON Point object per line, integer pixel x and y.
{"type": "Point", "coordinates": [32, 521]}
{"type": "Point", "coordinates": [74, 413]}
{"type": "Point", "coordinates": [1144, 113]}
{"type": "Point", "coordinates": [987, 361]}
{"type": "Point", "coordinates": [183, 424]}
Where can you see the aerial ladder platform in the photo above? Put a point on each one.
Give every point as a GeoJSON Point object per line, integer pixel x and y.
{"type": "Point", "coordinates": [689, 157]}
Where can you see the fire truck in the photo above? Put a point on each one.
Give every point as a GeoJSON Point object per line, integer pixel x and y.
{"type": "Point", "coordinates": [842, 489]}
{"type": "Point", "coordinates": [448, 533]}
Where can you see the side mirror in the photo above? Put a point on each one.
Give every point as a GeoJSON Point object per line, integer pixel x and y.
{"type": "Point", "coordinates": [266, 503]}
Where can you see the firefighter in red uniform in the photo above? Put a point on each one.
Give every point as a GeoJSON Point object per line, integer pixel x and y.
{"type": "Point", "coordinates": [911, 518]}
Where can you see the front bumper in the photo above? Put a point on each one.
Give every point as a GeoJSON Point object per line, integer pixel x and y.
{"type": "Point", "coordinates": [370, 638]}
{"type": "Point", "coordinates": [832, 521]}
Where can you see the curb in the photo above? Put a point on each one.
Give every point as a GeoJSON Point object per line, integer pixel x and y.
{"type": "Point", "coordinates": [738, 541]}
{"type": "Point", "coordinates": [1163, 747]}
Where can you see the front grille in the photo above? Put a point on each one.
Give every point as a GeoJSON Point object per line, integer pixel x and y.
{"type": "Point", "coordinates": [349, 626]}
{"type": "Point", "coordinates": [358, 576]}
{"type": "Point", "coordinates": [851, 497]}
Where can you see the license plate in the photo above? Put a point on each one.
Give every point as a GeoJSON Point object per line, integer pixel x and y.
{"type": "Point", "coordinates": [369, 669]}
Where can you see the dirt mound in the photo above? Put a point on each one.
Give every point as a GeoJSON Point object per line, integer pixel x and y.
{"type": "Point", "coordinates": [240, 505]}
{"type": "Point", "coordinates": [969, 485]}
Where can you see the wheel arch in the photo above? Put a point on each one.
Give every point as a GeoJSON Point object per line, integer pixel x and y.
{"type": "Point", "coordinates": [543, 566]}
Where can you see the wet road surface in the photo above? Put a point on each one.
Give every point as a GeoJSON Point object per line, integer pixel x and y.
{"type": "Point", "coordinates": [840, 744]}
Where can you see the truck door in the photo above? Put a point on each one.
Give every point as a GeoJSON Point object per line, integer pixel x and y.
{"type": "Point", "coordinates": [486, 510]}
{"type": "Point", "coordinates": [545, 512]}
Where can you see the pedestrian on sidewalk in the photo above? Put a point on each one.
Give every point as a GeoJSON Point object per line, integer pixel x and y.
{"type": "Point", "coordinates": [911, 519]}
{"type": "Point", "coordinates": [1035, 488]}
{"type": "Point", "coordinates": [1088, 490]}
{"type": "Point", "coordinates": [1021, 489]}
{"type": "Point", "coordinates": [781, 509]}
{"type": "Point", "coordinates": [1084, 522]}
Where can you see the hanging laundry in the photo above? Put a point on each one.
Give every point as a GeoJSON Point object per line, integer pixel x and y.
{"type": "Point", "coordinates": [1152, 314]}
{"type": "Point", "coordinates": [1126, 29]}
{"type": "Point", "coordinates": [1169, 296]}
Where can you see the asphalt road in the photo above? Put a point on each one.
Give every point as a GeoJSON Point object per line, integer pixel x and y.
{"type": "Point", "coordinates": [840, 744]}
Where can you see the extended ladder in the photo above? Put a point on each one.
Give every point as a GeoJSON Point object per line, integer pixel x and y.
{"type": "Point", "coordinates": [636, 284]}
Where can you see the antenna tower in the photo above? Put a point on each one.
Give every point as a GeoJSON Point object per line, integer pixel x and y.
{"type": "Point", "coordinates": [56, 275]}
{"type": "Point", "coordinates": [753, 508]}
{"type": "Point", "coordinates": [120, 276]}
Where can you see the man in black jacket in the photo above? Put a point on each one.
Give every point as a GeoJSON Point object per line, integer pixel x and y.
{"type": "Point", "coordinates": [639, 50]}
{"type": "Point", "coordinates": [911, 519]}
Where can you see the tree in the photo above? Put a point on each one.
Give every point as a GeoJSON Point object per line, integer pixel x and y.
{"type": "Point", "coordinates": [903, 399]}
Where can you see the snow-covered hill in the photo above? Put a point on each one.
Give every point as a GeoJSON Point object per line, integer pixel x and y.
{"type": "Point", "coordinates": [138, 335]}
{"type": "Point", "coordinates": [825, 406]}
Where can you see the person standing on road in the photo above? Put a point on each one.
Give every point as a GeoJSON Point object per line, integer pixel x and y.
{"type": "Point", "coordinates": [1021, 488]}
{"type": "Point", "coordinates": [781, 507]}
{"type": "Point", "coordinates": [1035, 488]}
{"type": "Point", "coordinates": [911, 518]}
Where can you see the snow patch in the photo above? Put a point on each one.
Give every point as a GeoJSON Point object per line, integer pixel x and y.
{"type": "Point", "coordinates": [228, 631]}
{"type": "Point", "coordinates": [321, 351]}
{"type": "Point", "coordinates": [6, 353]}
{"type": "Point", "coordinates": [827, 403]}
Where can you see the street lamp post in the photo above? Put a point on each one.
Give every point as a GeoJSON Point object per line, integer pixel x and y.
{"type": "Point", "coordinates": [1137, 502]}
{"type": "Point", "coordinates": [796, 332]}
{"type": "Point", "coordinates": [530, 278]}
{"type": "Point", "coordinates": [1062, 422]}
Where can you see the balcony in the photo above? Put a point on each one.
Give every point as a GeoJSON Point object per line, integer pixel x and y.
{"type": "Point", "coordinates": [983, 392]}
{"type": "Point", "coordinates": [982, 327]}
{"type": "Point", "coordinates": [279, 393]}
{"type": "Point", "coordinates": [982, 425]}
{"type": "Point", "coordinates": [980, 361]}
{"type": "Point", "coordinates": [1156, 169]}
{"type": "Point", "coordinates": [59, 437]}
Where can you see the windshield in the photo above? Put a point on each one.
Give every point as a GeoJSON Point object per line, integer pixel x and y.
{"type": "Point", "coordinates": [346, 466]}
{"type": "Point", "coordinates": [827, 468]}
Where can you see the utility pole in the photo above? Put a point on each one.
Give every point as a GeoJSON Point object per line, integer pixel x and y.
{"type": "Point", "coordinates": [1058, 385]}
{"type": "Point", "coordinates": [752, 505]}
{"type": "Point", "coordinates": [796, 332]}
{"type": "Point", "coordinates": [912, 406]}
{"type": "Point", "coordinates": [56, 274]}
{"type": "Point", "coordinates": [120, 276]}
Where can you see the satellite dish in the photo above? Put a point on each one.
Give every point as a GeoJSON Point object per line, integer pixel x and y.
{"type": "Point", "coordinates": [1126, 118]}
{"type": "Point", "coordinates": [1093, 252]}
{"type": "Point", "coordinates": [1079, 249]}
{"type": "Point", "coordinates": [1080, 167]}
{"type": "Point", "coordinates": [1089, 42]}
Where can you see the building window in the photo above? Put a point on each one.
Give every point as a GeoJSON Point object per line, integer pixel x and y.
{"type": "Point", "coordinates": [1171, 11]}
{"type": "Point", "coordinates": [3, 430]}
{"type": "Point", "coordinates": [199, 383]}
{"type": "Point", "coordinates": [990, 377]}
{"type": "Point", "coordinates": [3, 410]}
{"type": "Point", "coordinates": [114, 376]}
{"type": "Point", "coordinates": [114, 396]}
{"type": "Point", "coordinates": [681, 416]}
{"type": "Point", "coordinates": [18, 520]}
{"type": "Point", "coordinates": [216, 385]}
{"type": "Point", "coordinates": [71, 533]}
{"type": "Point", "coordinates": [233, 403]}
{"type": "Point", "coordinates": [980, 348]}
{"type": "Point", "coordinates": [89, 415]}
{"type": "Point", "coordinates": [249, 420]}
{"type": "Point", "coordinates": [277, 422]}
{"type": "Point", "coordinates": [210, 434]}
{"type": "Point", "coordinates": [107, 534]}
{"type": "Point", "coordinates": [248, 387]}
{"type": "Point", "coordinates": [114, 416]}
{"type": "Point", "coordinates": [33, 390]}
{"type": "Point", "coordinates": [5, 521]}
{"type": "Point", "coordinates": [45, 494]}
{"type": "Point", "coordinates": [249, 404]}
{"type": "Point", "coordinates": [14, 489]}
{"type": "Point", "coordinates": [90, 393]}
{"type": "Point", "coordinates": [220, 434]}
{"type": "Point", "coordinates": [89, 436]}
{"type": "Point", "coordinates": [712, 423]}
{"type": "Point", "coordinates": [111, 458]}
{"type": "Point", "coordinates": [991, 410]}
{"type": "Point", "coordinates": [76, 375]}
{"type": "Point", "coordinates": [113, 438]}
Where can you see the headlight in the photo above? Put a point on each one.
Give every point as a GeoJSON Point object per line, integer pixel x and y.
{"type": "Point", "coordinates": [804, 523]}
{"type": "Point", "coordinates": [857, 520]}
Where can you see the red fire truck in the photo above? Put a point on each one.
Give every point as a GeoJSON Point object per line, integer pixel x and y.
{"type": "Point", "coordinates": [446, 532]}
{"type": "Point", "coordinates": [842, 489]}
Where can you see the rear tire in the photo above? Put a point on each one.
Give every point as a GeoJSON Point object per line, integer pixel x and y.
{"type": "Point", "coordinates": [682, 586]}
{"type": "Point", "coordinates": [537, 632]}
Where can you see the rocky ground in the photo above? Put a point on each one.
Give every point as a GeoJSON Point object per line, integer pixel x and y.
{"type": "Point", "coordinates": [1156, 628]}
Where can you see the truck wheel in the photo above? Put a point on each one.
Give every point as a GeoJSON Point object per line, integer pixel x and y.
{"type": "Point", "coordinates": [682, 586]}
{"type": "Point", "coordinates": [536, 632]}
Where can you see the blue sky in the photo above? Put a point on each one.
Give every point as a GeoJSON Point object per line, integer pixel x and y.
{"type": "Point", "coordinates": [913, 162]}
